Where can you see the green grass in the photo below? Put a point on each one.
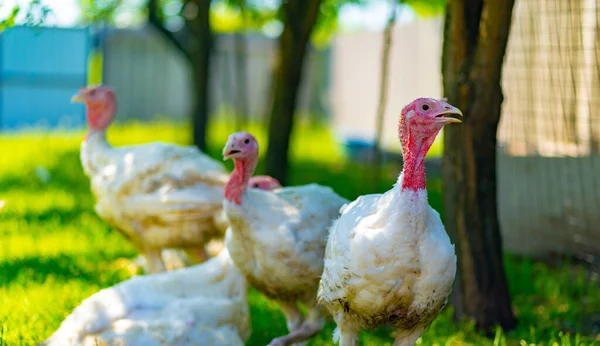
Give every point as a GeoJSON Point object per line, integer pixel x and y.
{"type": "Point", "coordinates": [55, 252]}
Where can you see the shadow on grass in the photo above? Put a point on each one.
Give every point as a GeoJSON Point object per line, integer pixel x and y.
{"type": "Point", "coordinates": [271, 324]}
{"type": "Point", "coordinates": [61, 216]}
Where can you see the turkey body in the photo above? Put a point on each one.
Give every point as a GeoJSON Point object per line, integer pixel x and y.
{"type": "Point", "coordinates": [277, 241]}
{"type": "Point", "coordinates": [157, 195]}
{"type": "Point", "coordinates": [204, 304]}
{"type": "Point", "coordinates": [388, 257]}
{"type": "Point", "coordinates": [388, 260]}
{"type": "Point", "coordinates": [278, 238]}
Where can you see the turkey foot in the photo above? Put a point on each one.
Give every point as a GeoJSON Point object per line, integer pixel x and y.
{"type": "Point", "coordinates": [293, 315]}
{"type": "Point", "coordinates": [310, 327]}
{"type": "Point", "coordinates": [299, 336]}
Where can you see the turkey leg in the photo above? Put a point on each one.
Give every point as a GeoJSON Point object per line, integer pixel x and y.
{"type": "Point", "coordinates": [196, 255]}
{"type": "Point", "coordinates": [155, 261]}
{"type": "Point", "coordinates": [347, 336]}
{"type": "Point", "coordinates": [293, 318]}
{"type": "Point", "coordinates": [293, 315]}
{"type": "Point", "coordinates": [408, 337]}
{"type": "Point", "coordinates": [314, 323]}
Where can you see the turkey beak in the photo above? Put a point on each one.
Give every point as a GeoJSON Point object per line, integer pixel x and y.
{"type": "Point", "coordinates": [443, 117]}
{"type": "Point", "coordinates": [228, 153]}
{"type": "Point", "coordinates": [77, 98]}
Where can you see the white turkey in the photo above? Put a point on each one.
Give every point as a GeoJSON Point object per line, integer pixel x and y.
{"type": "Point", "coordinates": [205, 304]}
{"type": "Point", "coordinates": [158, 195]}
{"type": "Point", "coordinates": [262, 182]}
{"type": "Point", "coordinates": [174, 259]}
{"type": "Point", "coordinates": [388, 258]}
{"type": "Point", "coordinates": [278, 238]}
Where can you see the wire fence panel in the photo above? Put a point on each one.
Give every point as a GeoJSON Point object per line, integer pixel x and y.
{"type": "Point", "coordinates": [549, 167]}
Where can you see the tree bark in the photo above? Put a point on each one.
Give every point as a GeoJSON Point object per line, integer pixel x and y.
{"type": "Point", "coordinates": [195, 42]}
{"type": "Point", "coordinates": [200, 53]}
{"type": "Point", "coordinates": [299, 20]}
{"type": "Point", "coordinates": [241, 77]}
{"type": "Point", "coordinates": [475, 38]}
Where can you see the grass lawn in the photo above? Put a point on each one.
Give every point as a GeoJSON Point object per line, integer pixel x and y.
{"type": "Point", "coordinates": [54, 251]}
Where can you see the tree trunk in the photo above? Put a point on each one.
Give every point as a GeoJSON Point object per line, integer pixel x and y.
{"type": "Point", "coordinates": [241, 77]}
{"type": "Point", "coordinates": [195, 42]}
{"type": "Point", "coordinates": [241, 81]}
{"type": "Point", "coordinates": [299, 20]}
{"type": "Point", "coordinates": [200, 53]}
{"type": "Point", "coordinates": [475, 38]}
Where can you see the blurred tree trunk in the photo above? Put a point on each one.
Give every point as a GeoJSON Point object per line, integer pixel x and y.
{"type": "Point", "coordinates": [195, 42]}
{"type": "Point", "coordinates": [595, 130]}
{"type": "Point", "coordinates": [241, 77]}
{"type": "Point", "coordinates": [475, 39]}
{"type": "Point", "coordinates": [299, 20]}
{"type": "Point", "coordinates": [383, 91]}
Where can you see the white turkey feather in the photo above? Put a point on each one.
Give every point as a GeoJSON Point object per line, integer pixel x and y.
{"type": "Point", "coordinates": [386, 253]}
{"type": "Point", "coordinates": [204, 304]}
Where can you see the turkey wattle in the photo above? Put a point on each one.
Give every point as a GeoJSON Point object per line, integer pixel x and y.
{"type": "Point", "coordinates": [388, 258]}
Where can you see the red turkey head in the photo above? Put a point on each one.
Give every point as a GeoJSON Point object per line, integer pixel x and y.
{"type": "Point", "coordinates": [264, 182]}
{"type": "Point", "coordinates": [419, 124]}
{"type": "Point", "coordinates": [241, 146]}
{"type": "Point", "coordinates": [423, 118]}
{"type": "Point", "coordinates": [100, 103]}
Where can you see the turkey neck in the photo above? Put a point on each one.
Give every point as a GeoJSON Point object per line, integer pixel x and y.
{"type": "Point", "coordinates": [99, 116]}
{"type": "Point", "coordinates": [413, 172]}
{"type": "Point", "coordinates": [238, 180]}
{"type": "Point", "coordinates": [94, 135]}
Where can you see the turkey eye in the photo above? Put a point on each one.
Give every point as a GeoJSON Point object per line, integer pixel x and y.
{"type": "Point", "coordinates": [246, 141]}
{"type": "Point", "coordinates": [425, 107]}
{"type": "Point", "coordinates": [255, 185]}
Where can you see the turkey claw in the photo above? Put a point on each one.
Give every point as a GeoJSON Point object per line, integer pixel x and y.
{"type": "Point", "coordinates": [277, 342]}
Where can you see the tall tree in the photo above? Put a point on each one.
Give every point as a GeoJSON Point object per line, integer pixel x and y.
{"type": "Point", "coordinates": [195, 42]}
{"type": "Point", "coordinates": [241, 77]}
{"type": "Point", "coordinates": [299, 18]}
{"type": "Point", "coordinates": [383, 90]}
{"type": "Point", "coordinates": [475, 38]}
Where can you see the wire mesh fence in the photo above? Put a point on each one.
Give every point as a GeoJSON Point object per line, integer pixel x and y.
{"type": "Point", "coordinates": [549, 136]}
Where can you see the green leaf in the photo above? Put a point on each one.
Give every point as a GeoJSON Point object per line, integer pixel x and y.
{"type": "Point", "coordinates": [426, 8]}
{"type": "Point", "coordinates": [35, 15]}
{"type": "Point", "coordinates": [10, 20]}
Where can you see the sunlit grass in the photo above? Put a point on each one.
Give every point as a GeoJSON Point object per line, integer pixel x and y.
{"type": "Point", "coordinates": [54, 251]}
